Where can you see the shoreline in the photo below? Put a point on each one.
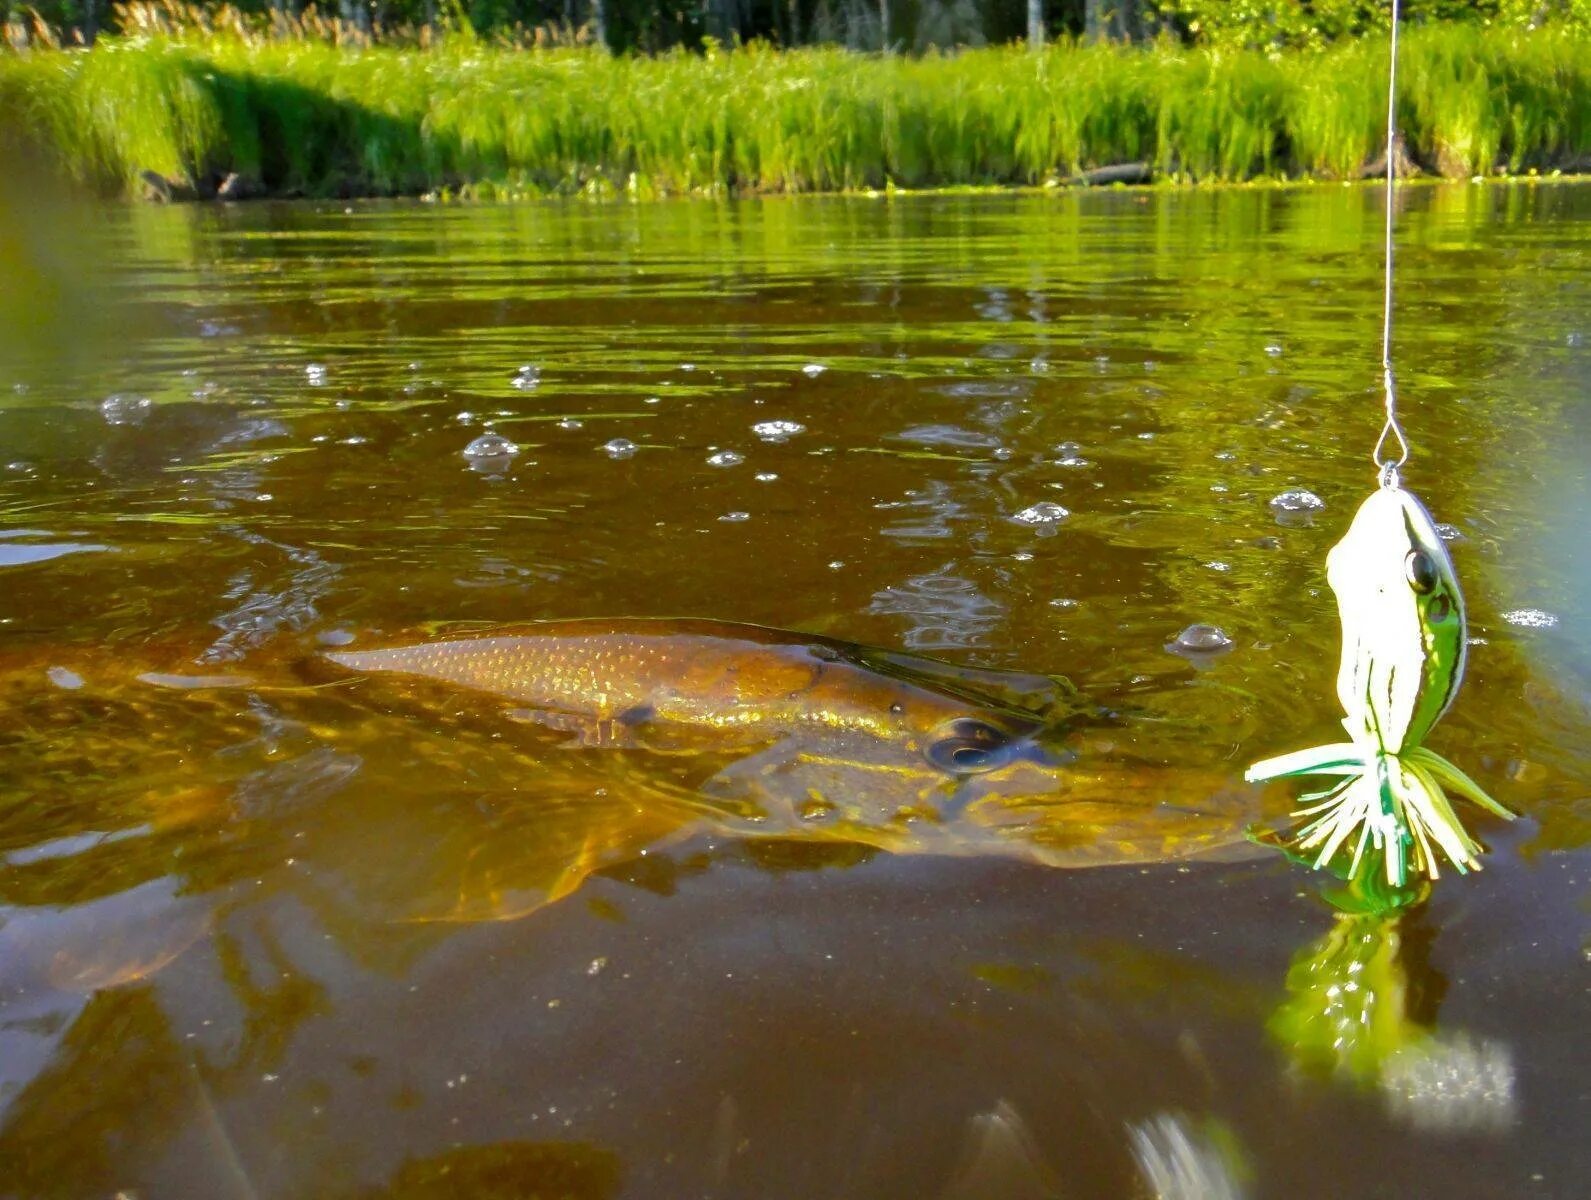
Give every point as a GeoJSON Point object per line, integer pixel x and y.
{"type": "Point", "coordinates": [470, 194]}
{"type": "Point", "coordinates": [196, 118]}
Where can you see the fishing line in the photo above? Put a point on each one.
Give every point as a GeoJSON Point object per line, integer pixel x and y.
{"type": "Point", "coordinates": [1387, 465]}
{"type": "Point", "coordinates": [1403, 650]}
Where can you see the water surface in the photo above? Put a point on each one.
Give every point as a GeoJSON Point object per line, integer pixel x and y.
{"type": "Point", "coordinates": [260, 939]}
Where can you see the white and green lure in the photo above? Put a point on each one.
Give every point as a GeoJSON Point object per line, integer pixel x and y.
{"type": "Point", "coordinates": [1403, 651]}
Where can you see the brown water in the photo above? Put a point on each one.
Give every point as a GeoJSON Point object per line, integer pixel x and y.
{"type": "Point", "coordinates": [267, 940]}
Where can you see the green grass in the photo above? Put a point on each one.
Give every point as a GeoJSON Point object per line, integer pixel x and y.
{"type": "Point", "coordinates": [308, 117]}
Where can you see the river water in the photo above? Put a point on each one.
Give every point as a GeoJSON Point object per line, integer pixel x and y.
{"type": "Point", "coordinates": [266, 939]}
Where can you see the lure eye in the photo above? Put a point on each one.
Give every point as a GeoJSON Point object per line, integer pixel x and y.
{"type": "Point", "coordinates": [967, 746]}
{"type": "Point", "coordinates": [1421, 572]}
{"type": "Point", "coordinates": [1438, 609]}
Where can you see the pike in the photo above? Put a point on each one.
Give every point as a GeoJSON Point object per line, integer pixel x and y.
{"type": "Point", "coordinates": [823, 740]}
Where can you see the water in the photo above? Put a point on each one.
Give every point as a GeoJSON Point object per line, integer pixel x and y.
{"type": "Point", "coordinates": [264, 939]}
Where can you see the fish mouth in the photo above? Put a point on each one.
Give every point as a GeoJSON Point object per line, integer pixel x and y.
{"type": "Point", "coordinates": [1042, 778]}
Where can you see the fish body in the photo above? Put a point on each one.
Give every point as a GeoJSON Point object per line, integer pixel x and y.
{"type": "Point", "coordinates": [739, 681]}
{"type": "Point", "coordinates": [819, 739]}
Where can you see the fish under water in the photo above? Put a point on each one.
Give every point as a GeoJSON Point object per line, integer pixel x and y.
{"type": "Point", "coordinates": [817, 739]}
{"type": "Point", "coordinates": [548, 752]}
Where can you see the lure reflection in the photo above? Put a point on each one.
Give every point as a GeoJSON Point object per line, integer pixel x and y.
{"type": "Point", "coordinates": [1361, 1004]}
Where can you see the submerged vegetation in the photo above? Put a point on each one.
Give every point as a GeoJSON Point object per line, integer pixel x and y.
{"type": "Point", "coordinates": [305, 116]}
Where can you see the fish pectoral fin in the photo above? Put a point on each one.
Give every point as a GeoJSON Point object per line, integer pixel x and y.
{"type": "Point", "coordinates": [587, 732]}
{"type": "Point", "coordinates": [745, 782]}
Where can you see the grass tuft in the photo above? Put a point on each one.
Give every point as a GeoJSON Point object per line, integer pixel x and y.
{"type": "Point", "coordinates": [322, 115]}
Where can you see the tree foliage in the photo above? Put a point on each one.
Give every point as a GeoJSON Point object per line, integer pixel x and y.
{"type": "Point", "coordinates": [651, 26]}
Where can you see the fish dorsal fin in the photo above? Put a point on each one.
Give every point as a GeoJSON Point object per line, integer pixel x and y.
{"type": "Point", "coordinates": [1045, 697]}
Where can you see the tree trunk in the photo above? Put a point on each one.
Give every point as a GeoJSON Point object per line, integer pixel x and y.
{"type": "Point", "coordinates": [718, 21]}
{"type": "Point", "coordinates": [883, 25]}
{"type": "Point", "coordinates": [90, 22]}
{"type": "Point", "coordinates": [1035, 25]}
{"type": "Point", "coordinates": [599, 22]}
{"type": "Point", "coordinates": [1115, 20]}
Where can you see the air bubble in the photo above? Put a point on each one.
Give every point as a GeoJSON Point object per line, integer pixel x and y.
{"type": "Point", "coordinates": [1071, 455]}
{"type": "Point", "coordinates": [1200, 643]}
{"type": "Point", "coordinates": [1044, 516]}
{"type": "Point", "coordinates": [620, 448]}
{"type": "Point", "coordinates": [1296, 506]}
{"type": "Point", "coordinates": [725, 458]}
{"type": "Point", "coordinates": [490, 446]}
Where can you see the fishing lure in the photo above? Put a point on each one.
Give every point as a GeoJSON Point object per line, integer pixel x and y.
{"type": "Point", "coordinates": [1403, 650]}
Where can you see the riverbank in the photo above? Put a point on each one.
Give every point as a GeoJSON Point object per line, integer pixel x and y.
{"type": "Point", "coordinates": [191, 115]}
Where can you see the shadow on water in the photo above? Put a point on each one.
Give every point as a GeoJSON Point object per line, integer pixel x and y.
{"type": "Point", "coordinates": [298, 141]}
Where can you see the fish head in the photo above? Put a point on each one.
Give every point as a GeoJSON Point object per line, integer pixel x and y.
{"type": "Point", "coordinates": [1402, 613]}
{"type": "Point", "coordinates": [1099, 795]}
{"type": "Point", "coordinates": [989, 783]}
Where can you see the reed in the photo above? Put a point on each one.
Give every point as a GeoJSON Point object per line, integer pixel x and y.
{"type": "Point", "coordinates": [318, 110]}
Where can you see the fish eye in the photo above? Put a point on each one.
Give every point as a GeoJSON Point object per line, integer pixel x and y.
{"type": "Point", "coordinates": [1421, 572]}
{"type": "Point", "coordinates": [1438, 609]}
{"type": "Point", "coordinates": [967, 746]}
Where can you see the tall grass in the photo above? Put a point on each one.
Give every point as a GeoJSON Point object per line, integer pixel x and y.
{"type": "Point", "coordinates": [313, 117]}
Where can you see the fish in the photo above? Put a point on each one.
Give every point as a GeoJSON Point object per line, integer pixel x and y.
{"type": "Point", "coordinates": [818, 739]}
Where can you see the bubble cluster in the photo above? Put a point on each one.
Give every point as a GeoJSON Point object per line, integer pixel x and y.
{"type": "Point", "coordinates": [777, 431]}
{"type": "Point", "coordinates": [124, 408]}
{"type": "Point", "coordinates": [1531, 618]}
